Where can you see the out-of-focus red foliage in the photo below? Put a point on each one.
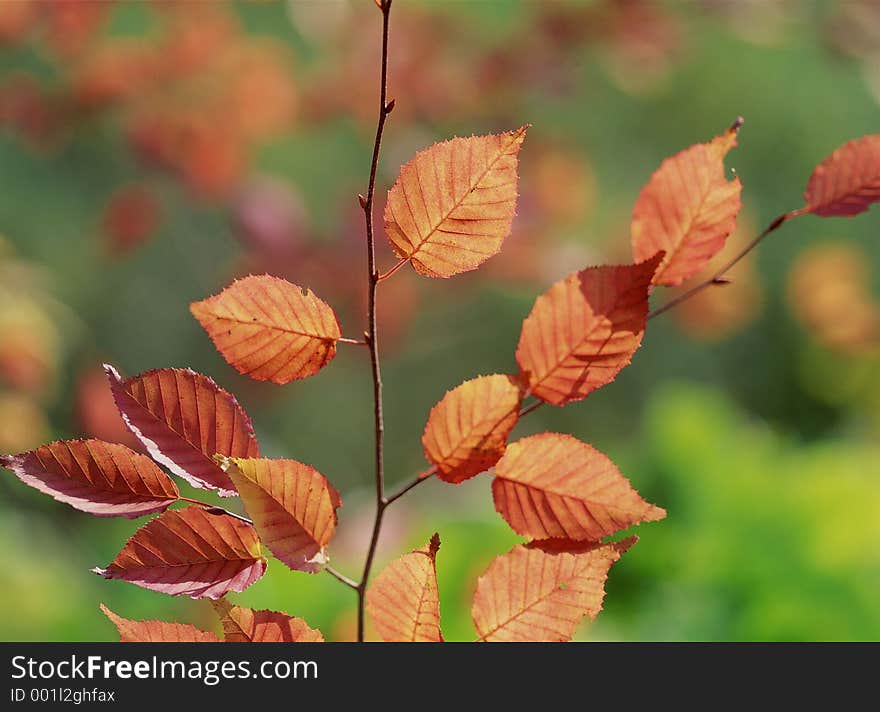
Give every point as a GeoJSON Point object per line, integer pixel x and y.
{"type": "Point", "coordinates": [130, 218]}
{"type": "Point", "coordinates": [194, 97]}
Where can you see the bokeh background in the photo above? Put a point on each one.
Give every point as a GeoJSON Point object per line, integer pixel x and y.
{"type": "Point", "coordinates": [151, 151]}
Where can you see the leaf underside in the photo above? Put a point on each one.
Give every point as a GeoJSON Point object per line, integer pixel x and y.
{"type": "Point", "coordinates": [183, 419]}
{"type": "Point", "coordinates": [190, 552]}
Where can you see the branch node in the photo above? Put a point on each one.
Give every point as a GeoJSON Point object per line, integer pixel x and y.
{"type": "Point", "coordinates": [362, 200]}
{"type": "Point", "coordinates": [389, 106]}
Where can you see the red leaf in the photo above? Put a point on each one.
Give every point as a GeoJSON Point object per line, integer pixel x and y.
{"type": "Point", "coordinates": [245, 625]}
{"type": "Point", "coordinates": [293, 507]}
{"type": "Point", "coordinates": [190, 552]}
{"type": "Point", "coordinates": [183, 419]}
{"type": "Point", "coordinates": [584, 330]}
{"type": "Point", "coordinates": [453, 204]}
{"type": "Point", "coordinates": [467, 430]}
{"type": "Point", "coordinates": [687, 209]}
{"type": "Point", "coordinates": [537, 593]}
{"type": "Point", "coordinates": [270, 329]}
{"type": "Point", "coordinates": [403, 600]}
{"type": "Point", "coordinates": [553, 485]}
{"type": "Point", "coordinates": [848, 181]}
{"type": "Point", "coordinates": [100, 478]}
{"type": "Point", "coordinates": [157, 631]}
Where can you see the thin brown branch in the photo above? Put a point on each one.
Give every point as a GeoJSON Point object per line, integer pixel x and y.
{"type": "Point", "coordinates": [422, 477]}
{"type": "Point", "coordinates": [718, 278]}
{"type": "Point", "coordinates": [385, 109]}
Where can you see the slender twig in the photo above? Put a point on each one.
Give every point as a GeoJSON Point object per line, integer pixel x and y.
{"type": "Point", "coordinates": [355, 342]}
{"type": "Point", "coordinates": [423, 477]}
{"type": "Point", "coordinates": [385, 108]}
{"type": "Point", "coordinates": [718, 277]}
{"type": "Point", "coordinates": [214, 509]}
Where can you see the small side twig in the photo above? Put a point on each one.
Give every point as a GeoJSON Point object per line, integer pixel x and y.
{"type": "Point", "coordinates": [718, 278]}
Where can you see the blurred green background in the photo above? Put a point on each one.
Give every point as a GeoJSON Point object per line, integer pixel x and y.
{"type": "Point", "coordinates": [150, 152]}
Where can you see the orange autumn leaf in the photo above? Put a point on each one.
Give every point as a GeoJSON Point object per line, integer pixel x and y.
{"type": "Point", "coordinates": [403, 601]}
{"type": "Point", "coordinates": [104, 479]}
{"type": "Point", "coordinates": [190, 552]}
{"type": "Point", "coordinates": [270, 329]}
{"type": "Point", "coordinates": [246, 625]}
{"type": "Point", "coordinates": [453, 204]}
{"type": "Point", "coordinates": [467, 430]}
{"type": "Point", "coordinates": [687, 209]}
{"type": "Point", "coordinates": [555, 486]}
{"type": "Point", "coordinates": [537, 593]}
{"type": "Point", "coordinates": [584, 330]}
{"type": "Point", "coordinates": [157, 631]}
{"type": "Point", "coordinates": [293, 507]}
{"type": "Point", "coordinates": [848, 181]}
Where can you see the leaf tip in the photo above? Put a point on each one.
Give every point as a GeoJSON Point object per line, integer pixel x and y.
{"type": "Point", "coordinates": [625, 545]}
{"type": "Point", "coordinates": [655, 514]}
{"type": "Point", "coordinates": [434, 545]}
{"type": "Point", "coordinates": [736, 125]}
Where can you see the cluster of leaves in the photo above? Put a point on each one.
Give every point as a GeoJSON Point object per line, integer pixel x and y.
{"type": "Point", "coordinates": [449, 211]}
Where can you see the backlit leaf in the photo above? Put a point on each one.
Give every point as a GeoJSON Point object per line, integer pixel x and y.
{"type": "Point", "coordinates": [541, 593]}
{"type": "Point", "coordinates": [100, 478]}
{"type": "Point", "coordinates": [293, 507]}
{"type": "Point", "coordinates": [403, 600]}
{"type": "Point", "coordinates": [245, 625]}
{"type": "Point", "coordinates": [157, 631]}
{"type": "Point", "coordinates": [190, 552]}
{"type": "Point", "coordinates": [848, 181]}
{"type": "Point", "coordinates": [584, 330]}
{"type": "Point", "coordinates": [270, 329]}
{"type": "Point", "coordinates": [453, 204]}
{"type": "Point", "coordinates": [555, 486]}
{"type": "Point", "coordinates": [467, 430]}
{"type": "Point", "coordinates": [183, 419]}
{"type": "Point", "coordinates": [687, 209]}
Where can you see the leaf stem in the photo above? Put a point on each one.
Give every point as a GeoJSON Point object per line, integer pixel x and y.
{"type": "Point", "coordinates": [401, 263]}
{"type": "Point", "coordinates": [341, 577]}
{"type": "Point", "coordinates": [422, 477]}
{"type": "Point", "coordinates": [718, 277]}
{"type": "Point", "coordinates": [214, 509]}
{"type": "Point", "coordinates": [355, 342]}
{"type": "Point", "coordinates": [385, 108]}
{"type": "Point", "coordinates": [529, 408]}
